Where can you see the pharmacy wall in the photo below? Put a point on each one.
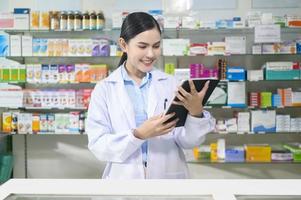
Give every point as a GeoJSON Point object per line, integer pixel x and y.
{"type": "Point", "coordinates": [67, 156]}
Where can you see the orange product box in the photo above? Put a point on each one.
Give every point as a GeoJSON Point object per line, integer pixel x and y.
{"type": "Point", "coordinates": [78, 73]}
{"type": "Point", "coordinates": [87, 71]}
{"type": "Point", "coordinates": [98, 72]}
{"type": "Point", "coordinates": [258, 153]}
{"type": "Point", "coordinates": [35, 123]}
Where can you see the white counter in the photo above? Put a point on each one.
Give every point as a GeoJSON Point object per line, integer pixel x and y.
{"type": "Point", "coordinates": [217, 189]}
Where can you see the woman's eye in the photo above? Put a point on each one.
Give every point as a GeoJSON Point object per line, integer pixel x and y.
{"type": "Point", "coordinates": [142, 47]}
{"type": "Point", "coordinates": [157, 46]}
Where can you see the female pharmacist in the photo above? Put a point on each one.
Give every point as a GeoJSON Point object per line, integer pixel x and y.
{"type": "Point", "coordinates": [125, 122]}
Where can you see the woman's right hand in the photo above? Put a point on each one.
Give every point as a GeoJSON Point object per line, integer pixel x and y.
{"type": "Point", "coordinates": [155, 126]}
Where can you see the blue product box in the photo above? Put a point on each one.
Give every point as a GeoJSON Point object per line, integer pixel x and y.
{"type": "Point", "coordinates": [282, 74]}
{"type": "Point", "coordinates": [235, 155]}
{"type": "Point", "coordinates": [4, 45]}
{"type": "Point", "coordinates": [21, 10]}
{"type": "Point", "coordinates": [236, 74]}
{"type": "Point", "coordinates": [298, 47]}
{"type": "Point", "coordinates": [276, 100]}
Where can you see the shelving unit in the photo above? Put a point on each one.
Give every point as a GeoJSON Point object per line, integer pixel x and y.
{"type": "Point", "coordinates": [33, 142]}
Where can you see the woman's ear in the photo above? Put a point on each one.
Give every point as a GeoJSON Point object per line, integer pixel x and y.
{"type": "Point", "coordinates": [122, 44]}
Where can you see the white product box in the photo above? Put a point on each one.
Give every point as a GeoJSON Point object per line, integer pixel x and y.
{"type": "Point", "coordinates": [231, 125]}
{"type": "Point", "coordinates": [263, 120]}
{"type": "Point", "coordinates": [45, 73]}
{"type": "Point", "coordinates": [37, 73]}
{"type": "Point", "coordinates": [235, 44]}
{"type": "Point", "coordinates": [181, 75]}
{"type": "Point", "coordinates": [29, 73]}
{"type": "Point", "coordinates": [21, 21]}
{"type": "Point", "coordinates": [236, 94]}
{"type": "Point", "coordinates": [175, 47]}
{"type": "Point", "coordinates": [26, 45]}
{"type": "Point", "coordinates": [73, 47]}
{"type": "Point", "coordinates": [190, 22]}
{"type": "Point", "coordinates": [216, 48]}
{"type": "Point", "coordinates": [257, 49]}
{"type": "Point", "coordinates": [255, 75]}
{"type": "Point", "coordinates": [243, 122]}
{"type": "Point", "coordinates": [221, 149]}
{"type": "Point", "coordinates": [172, 22]}
{"type": "Point", "coordinates": [24, 123]}
{"type": "Point", "coordinates": [267, 18]}
{"type": "Point", "coordinates": [283, 123]}
{"type": "Point", "coordinates": [15, 45]}
{"type": "Point", "coordinates": [74, 122]}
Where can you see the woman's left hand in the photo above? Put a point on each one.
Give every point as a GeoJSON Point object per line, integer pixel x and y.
{"type": "Point", "coordinates": [192, 101]}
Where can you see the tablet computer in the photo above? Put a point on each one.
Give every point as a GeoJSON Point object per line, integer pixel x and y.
{"type": "Point", "coordinates": [181, 111]}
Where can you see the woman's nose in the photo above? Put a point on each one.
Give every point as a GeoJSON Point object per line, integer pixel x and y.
{"type": "Point", "coordinates": [150, 53]}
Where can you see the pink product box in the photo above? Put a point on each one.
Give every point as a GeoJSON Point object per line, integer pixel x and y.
{"type": "Point", "coordinates": [196, 70]}
{"type": "Point", "coordinates": [200, 71]}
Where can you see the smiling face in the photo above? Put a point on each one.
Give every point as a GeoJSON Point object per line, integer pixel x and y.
{"type": "Point", "coordinates": [143, 51]}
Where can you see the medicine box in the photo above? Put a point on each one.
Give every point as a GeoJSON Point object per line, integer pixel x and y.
{"type": "Point", "coordinates": [236, 73]}
{"type": "Point", "coordinates": [258, 153]}
{"type": "Point", "coordinates": [282, 74]}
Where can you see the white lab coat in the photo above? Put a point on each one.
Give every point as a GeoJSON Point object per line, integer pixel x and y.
{"type": "Point", "coordinates": [110, 122]}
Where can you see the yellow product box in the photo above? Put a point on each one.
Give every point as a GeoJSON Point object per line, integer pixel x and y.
{"type": "Point", "coordinates": [6, 122]}
{"type": "Point", "coordinates": [213, 152]}
{"type": "Point", "coordinates": [258, 153]}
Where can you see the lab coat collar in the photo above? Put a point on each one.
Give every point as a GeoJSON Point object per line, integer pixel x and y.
{"type": "Point", "coordinates": [116, 76]}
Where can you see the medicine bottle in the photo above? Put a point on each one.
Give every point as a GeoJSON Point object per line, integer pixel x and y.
{"type": "Point", "coordinates": [93, 20]}
{"type": "Point", "coordinates": [63, 21]}
{"type": "Point", "coordinates": [54, 21]}
{"type": "Point", "coordinates": [77, 21]}
{"type": "Point", "coordinates": [100, 20]}
{"type": "Point", "coordinates": [86, 21]}
{"type": "Point", "coordinates": [70, 21]}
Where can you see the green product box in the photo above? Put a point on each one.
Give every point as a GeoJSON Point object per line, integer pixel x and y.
{"type": "Point", "coordinates": [14, 71]}
{"type": "Point", "coordinates": [169, 68]}
{"type": "Point", "coordinates": [22, 74]}
{"type": "Point", "coordinates": [282, 74]}
{"type": "Point", "coordinates": [295, 149]}
{"type": "Point", "coordinates": [6, 167]}
{"type": "Point", "coordinates": [266, 99]}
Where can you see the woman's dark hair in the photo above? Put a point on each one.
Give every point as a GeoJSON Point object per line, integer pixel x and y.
{"type": "Point", "coordinates": [135, 23]}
